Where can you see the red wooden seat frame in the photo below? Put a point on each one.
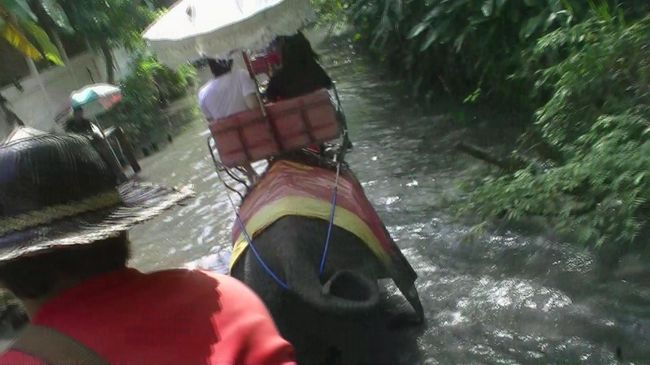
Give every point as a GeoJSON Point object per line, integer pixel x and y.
{"type": "Point", "coordinates": [288, 125]}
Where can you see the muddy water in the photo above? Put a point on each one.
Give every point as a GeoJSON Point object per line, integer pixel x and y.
{"type": "Point", "coordinates": [504, 297]}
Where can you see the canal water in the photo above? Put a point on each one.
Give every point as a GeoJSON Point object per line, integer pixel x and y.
{"type": "Point", "coordinates": [499, 297]}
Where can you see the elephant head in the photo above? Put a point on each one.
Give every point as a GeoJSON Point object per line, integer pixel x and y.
{"type": "Point", "coordinates": [336, 312]}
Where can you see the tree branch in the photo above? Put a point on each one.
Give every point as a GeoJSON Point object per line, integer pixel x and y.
{"type": "Point", "coordinates": [509, 165]}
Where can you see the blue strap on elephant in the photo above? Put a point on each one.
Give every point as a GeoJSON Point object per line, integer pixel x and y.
{"type": "Point", "coordinates": [323, 260]}
{"type": "Point", "coordinates": [331, 222]}
{"type": "Point", "coordinates": [266, 267]}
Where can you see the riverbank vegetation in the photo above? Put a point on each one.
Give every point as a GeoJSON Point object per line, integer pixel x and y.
{"type": "Point", "coordinates": [580, 71]}
{"type": "Point", "coordinates": [146, 91]}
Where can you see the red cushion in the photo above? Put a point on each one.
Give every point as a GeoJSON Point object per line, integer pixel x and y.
{"type": "Point", "coordinates": [298, 122]}
{"type": "Point", "coordinates": [261, 64]}
{"type": "Point", "coordinates": [245, 136]}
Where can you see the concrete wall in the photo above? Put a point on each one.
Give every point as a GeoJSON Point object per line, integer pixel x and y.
{"type": "Point", "coordinates": [47, 93]}
{"type": "Point", "coordinates": [5, 126]}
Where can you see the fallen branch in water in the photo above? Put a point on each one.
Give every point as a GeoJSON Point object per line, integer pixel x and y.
{"type": "Point", "coordinates": [511, 164]}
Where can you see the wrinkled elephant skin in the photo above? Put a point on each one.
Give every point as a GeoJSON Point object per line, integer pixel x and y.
{"type": "Point", "coordinates": [336, 319]}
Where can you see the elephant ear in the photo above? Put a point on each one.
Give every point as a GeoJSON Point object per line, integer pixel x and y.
{"type": "Point", "coordinates": [404, 277]}
{"type": "Point", "coordinates": [406, 285]}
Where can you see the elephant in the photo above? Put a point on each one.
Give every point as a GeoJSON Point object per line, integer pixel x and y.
{"type": "Point", "coordinates": [333, 318]}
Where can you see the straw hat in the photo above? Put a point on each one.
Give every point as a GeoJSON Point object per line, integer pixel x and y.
{"type": "Point", "coordinates": [56, 191]}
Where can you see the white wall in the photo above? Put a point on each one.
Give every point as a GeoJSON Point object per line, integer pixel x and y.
{"type": "Point", "coordinates": [39, 102]}
{"type": "Point", "coordinates": [5, 127]}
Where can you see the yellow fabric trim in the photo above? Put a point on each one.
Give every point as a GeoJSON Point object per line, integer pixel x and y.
{"type": "Point", "coordinates": [52, 213]}
{"type": "Point", "coordinates": [312, 208]}
{"type": "Point", "coordinates": [282, 165]}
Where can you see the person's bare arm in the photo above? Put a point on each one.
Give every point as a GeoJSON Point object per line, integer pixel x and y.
{"type": "Point", "coordinates": [249, 90]}
{"type": "Point", "coordinates": [251, 101]}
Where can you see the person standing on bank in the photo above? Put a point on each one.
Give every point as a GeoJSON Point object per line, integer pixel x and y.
{"type": "Point", "coordinates": [63, 253]}
{"type": "Point", "coordinates": [80, 125]}
{"type": "Point", "coordinates": [229, 92]}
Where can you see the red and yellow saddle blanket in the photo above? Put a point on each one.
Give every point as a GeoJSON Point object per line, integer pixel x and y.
{"type": "Point", "coordinates": [291, 188]}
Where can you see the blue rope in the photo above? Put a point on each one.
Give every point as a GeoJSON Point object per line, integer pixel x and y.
{"type": "Point", "coordinates": [265, 267]}
{"type": "Point", "coordinates": [258, 257]}
{"type": "Point", "coordinates": [331, 221]}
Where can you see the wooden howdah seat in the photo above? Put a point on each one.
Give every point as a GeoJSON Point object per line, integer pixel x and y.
{"type": "Point", "coordinates": [290, 124]}
{"type": "Point", "coordinates": [262, 64]}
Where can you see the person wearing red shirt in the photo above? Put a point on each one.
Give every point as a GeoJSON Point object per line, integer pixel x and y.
{"type": "Point", "coordinates": [63, 253]}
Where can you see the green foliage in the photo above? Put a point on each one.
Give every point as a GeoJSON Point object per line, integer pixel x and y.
{"type": "Point", "coordinates": [330, 11]}
{"type": "Point", "coordinates": [601, 73]}
{"type": "Point", "coordinates": [18, 26]}
{"type": "Point", "coordinates": [598, 121]}
{"type": "Point", "coordinates": [109, 24]}
{"type": "Point", "coordinates": [145, 91]}
{"type": "Point", "coordinates": [116, 22]}
{"type": "Point", "coordinates": [104, 24]}
{"type": "Point", "coordinates": [55, 13]}
{"type": "Point", "coordinates": [584, 66]}
{"type": "Point", "coordinates": [471, 48]}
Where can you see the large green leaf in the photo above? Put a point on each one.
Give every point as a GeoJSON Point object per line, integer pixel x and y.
{"type": "Point", "coordinates": [56, 13]}
{"type": "Point", "coordinates": [567, 5]}
{"type": "Point", "coordinates": [49, 50]}
{"type": "Point", "coordinates": [15, 37]}
{"type": "Point", "coordinates": [19, 9]}
{"type": "Point", "coordinates": [457, 4]}
{"type": "Point", "coordinates": [458, 43]}
{"type": "Point", "coordinates": [531, 26]}
{"type": "Point", "coordinates": [488, 8]}
{"type": "Point", "coordinates": [434, 13]}
{"type": "Point", "coordinates": [398, 9]}
{"type": "Point", "coordinates": [432, 36]}
{"type": "Point", "coordinates": [416, 30]}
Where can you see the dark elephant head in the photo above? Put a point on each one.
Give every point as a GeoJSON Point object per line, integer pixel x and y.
{"type": "Point", "coordinates": [334, 315]}
{"type": "Point", "coordinates": [292, 247]}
